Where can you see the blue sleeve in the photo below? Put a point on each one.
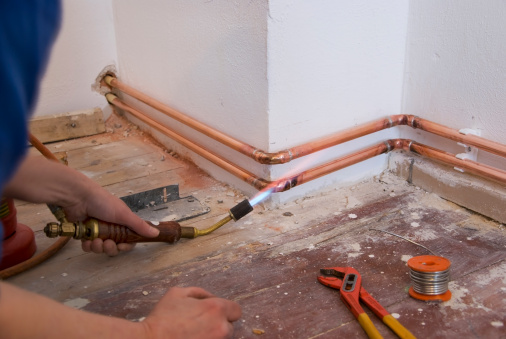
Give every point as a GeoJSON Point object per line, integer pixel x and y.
{"type": "Point", "coordinates": [27, 31]}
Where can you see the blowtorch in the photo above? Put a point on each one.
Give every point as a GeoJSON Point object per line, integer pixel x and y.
{"type": "Point", "coordinates": [170, 231]}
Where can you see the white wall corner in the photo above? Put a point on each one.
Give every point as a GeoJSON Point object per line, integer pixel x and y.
{"type": "Point", "coordinates": [331, 66]}
{"type": "Point", "coordinates": [455, 70]}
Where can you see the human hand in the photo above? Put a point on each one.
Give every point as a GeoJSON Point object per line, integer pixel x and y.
{"type": "Point", "coordinates": [191, 313]}
{"type": "Point", "coordinates": [39, 180]}
{"type": "Point", "coordinates": [101, 204]}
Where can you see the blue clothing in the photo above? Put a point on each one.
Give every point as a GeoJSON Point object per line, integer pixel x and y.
{"type": "Point", "coordinates": [27, 31]}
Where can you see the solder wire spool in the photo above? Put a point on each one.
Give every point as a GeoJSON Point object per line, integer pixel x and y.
{"type": "Point", "coordinates": [430, 275]}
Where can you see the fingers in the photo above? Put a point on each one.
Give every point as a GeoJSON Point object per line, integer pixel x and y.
{"type": "Point", "coordinates": [125, 247]}
{"type": "Point", "coordinates": [108, 207]}
{"type": "Point", "coordinates": [195, 292]}
{"type": "Point", "coordinates": [231, 309]}
{"type": "Point", "coordinates": [86, 246]}
{"type": "Point", "coordinates": [108, 247]}
{"type": "Point", "coordinates": [181, 308]}
{"type": "Point", "coordinates": [136, 224]}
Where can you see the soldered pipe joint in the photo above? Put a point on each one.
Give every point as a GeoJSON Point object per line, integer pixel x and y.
{"type": "Point", "coordinates": [240, 210]}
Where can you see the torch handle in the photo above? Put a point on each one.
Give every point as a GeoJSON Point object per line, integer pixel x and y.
{"type": "Point", "coordinates": [170, 232]}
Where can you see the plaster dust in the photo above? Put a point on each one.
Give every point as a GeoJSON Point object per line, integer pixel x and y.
{"type": "Point", "coordinates": [361, 193]}
{"type": "Point", "coordinates": [462, 299]}
{"type": "Point", "coordinates": [424, 235]}
{"type": "Point", "coordinates": [497, 273]}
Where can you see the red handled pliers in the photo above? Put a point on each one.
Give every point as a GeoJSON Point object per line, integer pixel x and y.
{"type": "Point", "coordinates": [349, 282]}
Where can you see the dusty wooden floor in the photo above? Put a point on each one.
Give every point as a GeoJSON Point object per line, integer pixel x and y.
{"type": "Point", "coordinates": [269, 260]}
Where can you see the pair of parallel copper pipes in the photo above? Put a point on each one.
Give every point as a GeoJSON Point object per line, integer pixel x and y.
{"type": "Point", "coordinates": [314, 146]}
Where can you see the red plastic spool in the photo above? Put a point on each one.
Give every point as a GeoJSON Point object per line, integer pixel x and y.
{"type": "Point", "coordinates": [19, 240]}
{"type": "Point", "coordinates": [429, 264]}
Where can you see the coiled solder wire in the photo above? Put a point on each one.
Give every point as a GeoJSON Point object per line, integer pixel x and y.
{"type": "Point", "coordinates": [430, 283]}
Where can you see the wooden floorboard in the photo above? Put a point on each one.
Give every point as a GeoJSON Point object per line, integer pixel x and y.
{"type": "Point", "coordinates": [269, 260]}
{"type": "Point", "coordinates": [276, 282]}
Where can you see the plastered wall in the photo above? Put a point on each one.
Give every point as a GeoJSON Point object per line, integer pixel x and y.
{"type": "Point", "coordinates": [273, 74]}
{"type": "Point", "coordinates": [84, 46]}
{"type": "Point", "coordinates": [206, 59]}
{"type": "Point", "coordinates": [456, 69]}
{"type": "Point", "coordinates": [333, 65]}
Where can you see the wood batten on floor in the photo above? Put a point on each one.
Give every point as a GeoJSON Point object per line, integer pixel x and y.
{"type": "Point", "coordinates": [49, 128]}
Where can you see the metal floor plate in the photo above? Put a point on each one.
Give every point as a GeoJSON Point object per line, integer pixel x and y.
{"type": "Point", "coordinates": [165, 204]}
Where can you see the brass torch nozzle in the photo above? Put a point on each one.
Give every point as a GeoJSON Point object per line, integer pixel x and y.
{"type": "Point", "coordinates": [235, 213]}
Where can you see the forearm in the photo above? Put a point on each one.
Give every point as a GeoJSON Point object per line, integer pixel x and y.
{"type": "Point", "coordinates": [27, 315]}
{"type": "Point", "coordinates": [39, 180]}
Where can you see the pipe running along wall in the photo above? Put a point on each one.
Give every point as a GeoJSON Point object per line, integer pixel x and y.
{"type": "Point", "coordinates": [314, 146]}
{"type": "Point", "coordinates": [319, 171]}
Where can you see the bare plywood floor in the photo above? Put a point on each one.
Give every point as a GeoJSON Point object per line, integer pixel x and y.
{"type": "Point", "coordinates": [269, 260]}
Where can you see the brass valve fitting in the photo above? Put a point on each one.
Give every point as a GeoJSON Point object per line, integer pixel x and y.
{"type": "Point", "coordinates": [81, 230]}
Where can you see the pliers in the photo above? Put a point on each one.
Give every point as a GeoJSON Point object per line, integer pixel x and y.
{"type": "Point", "coordinates": [349, 282]}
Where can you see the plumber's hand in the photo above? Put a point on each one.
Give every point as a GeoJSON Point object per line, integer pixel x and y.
{"type": "Point", "coordinates": [39, 180]}
{"type": "Point", "coordinates": [100, 204]}
{"type": "Point", "coordinates": [191, 313]}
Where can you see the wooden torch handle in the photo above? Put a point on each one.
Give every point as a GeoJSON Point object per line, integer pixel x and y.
{"type": "Point", "coordinates": [170, 232]}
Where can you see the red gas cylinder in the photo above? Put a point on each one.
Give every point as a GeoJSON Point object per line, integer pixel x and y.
{"type": "Point", "coordinates": [19, 240]}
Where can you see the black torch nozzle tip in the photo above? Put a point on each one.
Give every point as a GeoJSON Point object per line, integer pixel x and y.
{"type": "Point", "coordinates": [240, 210]}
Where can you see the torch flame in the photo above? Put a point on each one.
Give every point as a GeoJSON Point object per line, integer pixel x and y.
{"type": "Point", "coordinates": [280, 185]}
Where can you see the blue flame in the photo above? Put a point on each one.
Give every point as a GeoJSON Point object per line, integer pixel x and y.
{"type": "Point", "coordinates": [261, 196]}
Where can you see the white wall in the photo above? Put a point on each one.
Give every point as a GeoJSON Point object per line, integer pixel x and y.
{"type": "Point", "coordinates": [333, 65]}
{"type": "Point", "coordinates": [204, 58]}
{"type": "Point", "coordinates": [456, 69]}
{"type": "Point", "coordinates": [273, 74]}
{"type": "Point", "coordinates": [85, 45]}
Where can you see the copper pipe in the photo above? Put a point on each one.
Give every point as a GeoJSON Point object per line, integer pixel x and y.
{"type": "Point", "coordinates": [333, 140]}
{"type": "Point", "coordinates": [450, 159]}
{"type": "Point", "coordinates": [466, 164]}
{"type": "Point", "coordinates": [450, 133]}
{"type": "Point", "coordinates": [332, 166]}
{"type": "Point", "coordinates": [284, 184]}
{"type": "Point", "coordinates": [195, 124]}
{"type": "Point", "coordinates": [250, 151]}
{"type": "Point", "coordinates": [385, 147]}
{"type": "Point", "coordinates": [259, 183]}
{"type": "Point", "coordinates": [215, 159]}
{"type": "Point", "coordinates": [287, 155]}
